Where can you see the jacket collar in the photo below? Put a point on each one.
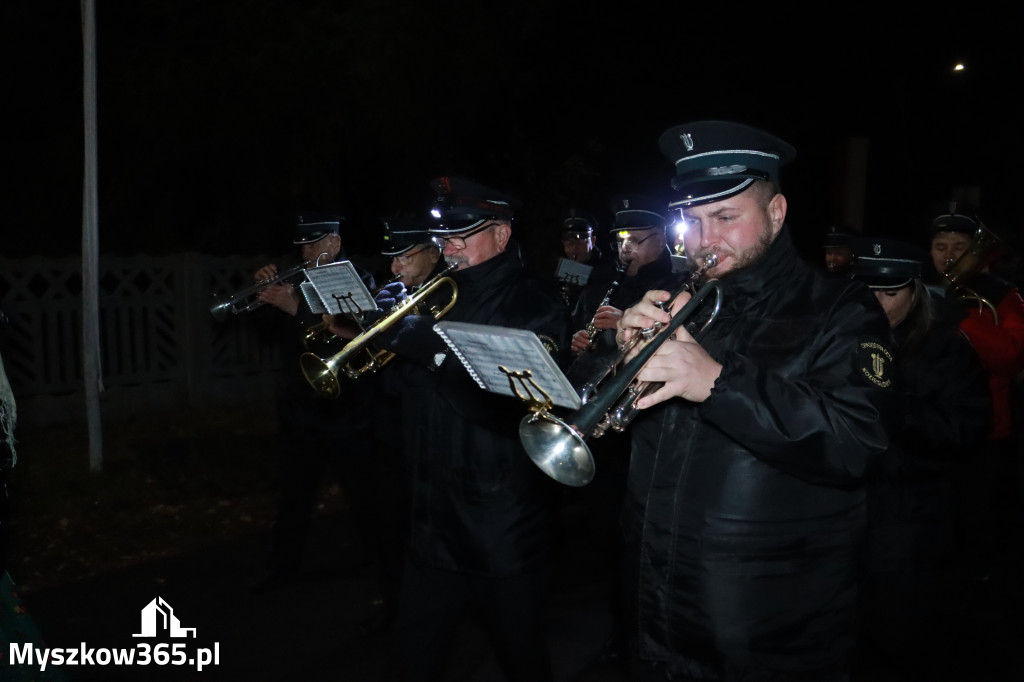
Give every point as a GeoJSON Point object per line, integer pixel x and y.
{"type": "Point", "coordinates": [661, 265]}
{"type": "Point", "coordinates": [760, 279]}
{"type": "Point", "coordinates": [485, 274]}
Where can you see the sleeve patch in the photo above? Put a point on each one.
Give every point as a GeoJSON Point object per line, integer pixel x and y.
{"type": "Point", "coordinates": [549, 343]}
{"type": "Point", "coordinates": [875, 362]}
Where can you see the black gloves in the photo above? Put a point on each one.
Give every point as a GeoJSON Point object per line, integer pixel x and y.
{"type": "Point", "coordinates": [387, 298]}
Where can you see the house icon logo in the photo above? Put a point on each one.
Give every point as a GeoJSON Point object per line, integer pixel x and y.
{"type": "Point", "coordinates": [158, 618]}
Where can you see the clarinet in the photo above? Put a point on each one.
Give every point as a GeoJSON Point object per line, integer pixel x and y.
{"type": "Point", "coordinates": [616, 281]}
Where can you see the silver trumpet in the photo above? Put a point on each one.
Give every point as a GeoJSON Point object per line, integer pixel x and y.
{"type": "Point", "coordinates": [248, 299]}
{"type": "Point", "coordinates": [558, 446]}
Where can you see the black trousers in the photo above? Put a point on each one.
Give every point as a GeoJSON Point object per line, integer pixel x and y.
{"type": "Point", "coordinates": [432, 603]}
{"type": "Point", "coordinates": [318, 442]}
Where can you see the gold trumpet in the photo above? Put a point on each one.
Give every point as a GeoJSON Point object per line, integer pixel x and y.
{"type": "Point", "coordinates": [323, 373]}
{"type": "Point", "coordinates": [558, 446]}
{"type": "Point", "coordinates": [985, 248]}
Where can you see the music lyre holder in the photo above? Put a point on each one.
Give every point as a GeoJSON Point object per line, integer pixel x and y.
{"type": "Point", "coordinates": [524, 379]}
{"type": "Point", "coordinates": [346, 303]}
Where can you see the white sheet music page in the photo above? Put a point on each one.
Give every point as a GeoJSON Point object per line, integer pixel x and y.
{"type": "Point", "coordinates": [340, 289]}
{"type": "Point", "coordinates": [312, 298]}
{"type": "Point", "coordinates": [484, 348]}
{"type": "Point", "coordinates": [571, 272]}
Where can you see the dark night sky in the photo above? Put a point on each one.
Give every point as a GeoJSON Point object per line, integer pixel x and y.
{"type": "Point", "coordinates": [219, 118]}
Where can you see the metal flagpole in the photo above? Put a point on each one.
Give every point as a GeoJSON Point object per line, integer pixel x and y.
{"type": "Point", "coordinates": [91, 370]}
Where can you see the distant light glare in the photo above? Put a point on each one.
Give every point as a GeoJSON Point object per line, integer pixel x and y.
{"type": "Point", "coordinates": [959, 67]}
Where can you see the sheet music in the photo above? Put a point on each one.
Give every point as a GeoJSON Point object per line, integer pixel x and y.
{"type": "Point", "coordinates": [571, 272]}
{"type": "Point", "coordinates": [312, 298]}
{"type": "Point", "coordinates": [340, 289]}
{"type": "Point", "coordinates": [484, 348]}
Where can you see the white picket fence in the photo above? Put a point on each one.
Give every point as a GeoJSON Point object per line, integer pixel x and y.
{"type": "Point", "coordinates": [160, 346]}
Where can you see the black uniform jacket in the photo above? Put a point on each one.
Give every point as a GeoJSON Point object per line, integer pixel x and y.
{"type": "Point", "coordinates": [478, 504]}
{"type": "Point", "coordinates": [744, 511]}
{"type": "Point", "coordinates": [945, 411]}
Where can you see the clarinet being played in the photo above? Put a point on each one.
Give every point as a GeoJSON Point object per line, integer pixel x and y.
{"type": "Point", "coordinates": [591, 327]}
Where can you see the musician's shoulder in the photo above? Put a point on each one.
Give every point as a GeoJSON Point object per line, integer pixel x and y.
{"type": "Point", "coordinates": [534, 291]}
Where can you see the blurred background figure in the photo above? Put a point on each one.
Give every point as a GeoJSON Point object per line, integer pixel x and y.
{"type": "Point", "coordinates": [582, 258]}
{"type": "Point", "coordinates": [963, 252]}
{"type": "Point", "coordinates": [16, 625]}
{"type": "Point", "coordinates": [909, 609]}
{"type": "Point", "coordinates": [837, 244]}
{"type": "Point", "coordinates": [8, 456]}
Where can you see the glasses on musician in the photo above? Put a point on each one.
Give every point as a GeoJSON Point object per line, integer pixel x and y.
{"type": "Point", "coordinates": [458, 241]}
{"type": "Point", "coordinates": [406, 258]}
{"type": "Point", "coordinates": [622, 241]}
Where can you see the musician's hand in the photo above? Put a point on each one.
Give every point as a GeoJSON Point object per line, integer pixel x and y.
{"type": "Point", "coordinates": [265, 273]}
{"type": "Point", "coordinates": [341, 326]}
{"type": "Point", "coordinates": [685, 368]}
{"type": "Point", "coordinates": [282, 296]}
{"type": "Point", "coordinates": [390, 295]}
{"type": "Point", "coordinates": [607, 317]}
{"type": "Point", "coordinates": [643, 315]}
{"type": "Point", "coordinates": [580, 341]}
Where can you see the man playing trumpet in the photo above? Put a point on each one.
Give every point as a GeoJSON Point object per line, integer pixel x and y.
{"type": "Point", "coordinates": [314, 435]}
{"type": "Point", "coordinates": [481, 515]}
{"type": "Point", "coordinates": [745, 498]}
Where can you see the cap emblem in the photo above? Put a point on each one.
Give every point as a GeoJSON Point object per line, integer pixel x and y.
{"type": "Point", "coordinates": [687, 140]}
{"type": "Point", "coordinates": [876, 249]}
{"type": "Point", "coordinates": [727, 170]}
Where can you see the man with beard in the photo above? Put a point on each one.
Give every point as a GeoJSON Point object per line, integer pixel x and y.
{"type": "Point", "coordinates": [745, 501]}
{"type": "Point", "coordinates": [481, 514]}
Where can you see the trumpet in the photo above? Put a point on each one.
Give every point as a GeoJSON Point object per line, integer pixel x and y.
{"type": "Point", "coordinates": [323, 373]}
{"type": "Point", "coordinates": [319, 336]}
{"type": "Point", "coordinates": [248, 299]}
{"type": "Point", "coordinates": [558, 446]}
